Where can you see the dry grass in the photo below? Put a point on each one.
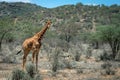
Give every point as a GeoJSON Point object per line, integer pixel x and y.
{"type": "Point", "coordinates": [63, 74]}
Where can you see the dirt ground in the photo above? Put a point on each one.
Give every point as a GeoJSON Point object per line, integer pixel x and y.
{"type": "Point", "coordinates": [90, 72]}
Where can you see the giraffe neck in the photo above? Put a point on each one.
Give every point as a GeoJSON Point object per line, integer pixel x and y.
{"type": "Point", "coordinates": [42, 32]}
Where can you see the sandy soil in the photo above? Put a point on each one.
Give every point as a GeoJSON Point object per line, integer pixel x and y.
{"type": "Point", "coordinates": [86, 73]}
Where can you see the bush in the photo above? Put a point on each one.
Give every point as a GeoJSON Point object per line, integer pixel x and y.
{"type": "Point", "coordinates": [77, 56]}
{"type": "Point", "coordinates": [108, 69]}
{"type": "Point", "coordinates": [116, 78]}
{"type": "Point", "coordinates": [9, 59]}
{"type": "Point", "coordinates": [30, 68]}
{"type": "Point", "coordinates": [68, 64]}
{"type": "Point", "coordinates": [21, 75]}
{"type": "Point", "coordinates": [37, 77]}
{"type": "Point", "coordinates": [79, 70]}
{"type": "Point", "coordinates": [106, 65]}
{"type": "Point", "coordinates": [89, 52]}
{"type": "Point", "coordinates": [55, 62]}
{"type": "Point", "coordinates": [106, 57]}
{"type": "Point", "coordinates": [17, 75]}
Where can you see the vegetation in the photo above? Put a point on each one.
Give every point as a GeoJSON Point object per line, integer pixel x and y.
{"type": "Point", "coordinates": [6, 25]}
{"type": "Point", "coordinates": [80, 32]}
{"type": "Point", "coordinates": [18, 74]}
{"type": "Point", "coordinates": [73, 23]}
{"type": "Point", "coordinates": [30, 68]}
{"type": "Point", "coordinates": [111, 35]}
{"type": "Point", "coordinates": [55, 62]}
{"type": "Point", "coordinates": [108, 69]}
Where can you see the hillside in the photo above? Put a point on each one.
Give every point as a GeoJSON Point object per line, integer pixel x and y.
{"type": "Point", "coordinates": [82, 39]}
{"type": "Point", "coordinates": [82, 16]}
{"type": "Point", "coordinates": [68, 21]}
{"type": "Point", "coordinates": [18, 9]}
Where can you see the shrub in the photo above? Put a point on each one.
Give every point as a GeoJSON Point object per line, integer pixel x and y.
{"type": "Point", "coordinates": [68, 65]}
{"type": "Point", "coordinates": [89, 52]}
{"type": "Point", "coordinates": [105, 57]}
{"type": "Point", "coordinates": [37, 77]}
{"type": "Point", "coordinates": [21, 75]}
{"type": "Point", "coordinates": [77, 56]}
{"type": "Point", "coordinates": [55, 62]}
{"type": "Point", "coordinates": [17, 75]}
{"type": "Point", "coordinates": [108, 69]}
{"type": "Point", "coordinates": [106, 65]}
{"type": "Point", "coordinates": [79, 70]}
{"type": "Point", "coordinates": [30, 68]}
{"type": "Point", "coordinates": [9, 59]}
{"type": "Point", "coordinates": [116, 77]}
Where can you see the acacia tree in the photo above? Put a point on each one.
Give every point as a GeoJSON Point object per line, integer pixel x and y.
{"type": "Point", "coordinates": [110, 35]}
{"type": "Point", "coordinates": [68, 31]}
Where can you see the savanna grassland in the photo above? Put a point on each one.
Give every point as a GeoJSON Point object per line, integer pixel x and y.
{"type": "Point", "coordinates": [83, 42]}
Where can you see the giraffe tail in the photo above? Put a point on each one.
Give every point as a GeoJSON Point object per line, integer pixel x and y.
{"type": "Point", "coordinates": [19, 52]}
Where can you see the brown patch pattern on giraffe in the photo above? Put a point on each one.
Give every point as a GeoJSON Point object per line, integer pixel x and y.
{"type": "Point", "coordinates": [33, 44]}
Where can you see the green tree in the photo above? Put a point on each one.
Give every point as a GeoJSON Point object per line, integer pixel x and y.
{"type": "Point", "coordinates": [110, 35]}
{"type": "Point", "coordinates": [68, 31]}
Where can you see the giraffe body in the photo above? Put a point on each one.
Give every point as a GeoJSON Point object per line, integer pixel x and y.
{"type": "Point", "coordinates": [33, 44]}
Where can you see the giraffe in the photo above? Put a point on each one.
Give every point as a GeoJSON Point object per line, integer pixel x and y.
{"type": "Point", "coordinates": [33, 44]}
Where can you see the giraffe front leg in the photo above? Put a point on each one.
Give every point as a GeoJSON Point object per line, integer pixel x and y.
{"type": "Point", "coordinates": [37, 61]}
{"type": "Point", "coordinates": [24, 59]}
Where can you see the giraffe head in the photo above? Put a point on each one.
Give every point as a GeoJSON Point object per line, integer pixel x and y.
{"type": "Point", "coordinates": [48, 23]}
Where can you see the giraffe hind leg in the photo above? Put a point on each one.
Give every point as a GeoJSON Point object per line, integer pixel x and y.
{"type": "Point", "coordinates": [37, 54]}
{"type": "Point", "coordinates": [33, 56]}
{"type": "Point", "coordinates": [37, 61]}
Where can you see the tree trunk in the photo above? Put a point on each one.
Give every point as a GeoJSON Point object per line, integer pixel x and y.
{"type": "Point", "coordinates": [95, 45]}
{"type": "Point", "coordinates": [114, 53]}
{"type": "Point", "coordinates": [114, 50]}
{"type": "Point", "coordinates": [114, 46]}
{"type": "Point", "coordinates": [0, 45]}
